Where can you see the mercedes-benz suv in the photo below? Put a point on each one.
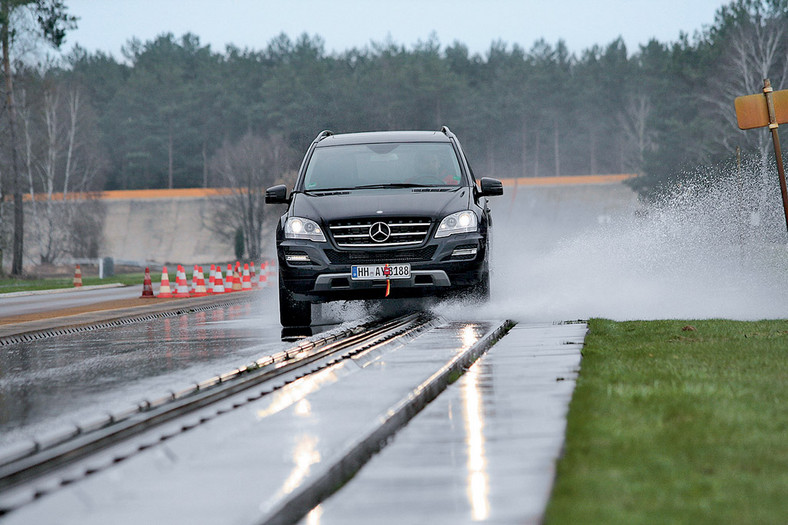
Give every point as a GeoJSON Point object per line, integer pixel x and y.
{"type": "Point", "coordinates": [382, 215]}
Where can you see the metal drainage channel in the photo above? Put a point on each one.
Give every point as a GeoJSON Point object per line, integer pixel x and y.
{"type": "Point", "coordinates": [39, 461]}
{"type": "Point", "coordinates": [44, 334]}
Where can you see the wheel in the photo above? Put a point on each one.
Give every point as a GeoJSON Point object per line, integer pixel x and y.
{"type": "Point", "coordinates": [481, 292]}
{"type": "Point", "coordinates": [293, 312]}
{"type": "Point", "coordinates": [478, 293]}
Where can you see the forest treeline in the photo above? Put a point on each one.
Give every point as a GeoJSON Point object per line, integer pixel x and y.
{"type": "Point", "coordinates": [158, 118]}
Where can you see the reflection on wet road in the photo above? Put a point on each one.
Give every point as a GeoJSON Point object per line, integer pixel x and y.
{"type": "Point", "coordinates": [50, 383]}
{"type": "Point", "coordinates": [478, 482]}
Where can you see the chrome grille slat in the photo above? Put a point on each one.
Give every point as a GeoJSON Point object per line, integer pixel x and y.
{"type": "Point", "coordinates": [403, 232]}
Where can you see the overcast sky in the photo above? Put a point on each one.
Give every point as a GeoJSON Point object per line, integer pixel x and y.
{"type": "Point", "coordinates": [107, 24]}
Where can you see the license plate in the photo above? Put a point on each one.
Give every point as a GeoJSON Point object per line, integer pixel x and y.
{"type": "Point", "coordinates": [379, 271]}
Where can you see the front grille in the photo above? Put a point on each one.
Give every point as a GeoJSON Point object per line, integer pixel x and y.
{"type": "Point", "coordinates": [380, 257]}
{"type": "Point", "coordinates": [409, 231]}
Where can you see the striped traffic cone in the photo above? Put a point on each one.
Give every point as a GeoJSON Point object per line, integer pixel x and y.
{"type": "Point", "coordinates": [147, 286]}
{"type": "Point", "coordinates": [237, 287]}
{"type": "Point", "coordinates": [246, 285]}
{"type": "Point", "coordinates": [164, 289]}
{"type": "Point", "coordinates": [77, 277]}
{"type": "Point", "coordinates": [193, 285]}
{"type": "Point", "coordinates": [182, 288]}
{"type": "Point", "coordinates": [263, 274]}
{"type": "Point", "coordinates": [271, 270]}
{"type": "Point", "coordinates": [199, 289]}
{"type": "Point", "coordinates": [211, 279]}
{"type": "Point", "coordinates": [255, 282]}
{"type": "Point", "coordinates": [228, 277]}
{"type": "Point", "coordinates": [218, 284]}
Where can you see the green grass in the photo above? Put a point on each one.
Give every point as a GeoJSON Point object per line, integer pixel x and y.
{"type": "Point", "coordinates": [669, 425]}
{"type": "Point", "coordinates": [10, 284]}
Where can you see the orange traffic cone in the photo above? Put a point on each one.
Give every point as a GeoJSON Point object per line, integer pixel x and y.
{"type": "Point", "coordinates": [193, 285]}
{"type": "Point", "coordinates": [246, 285]}
{"type": "Point", "coordinates": [218, 284]}
{"type": "Point", "coordinates": [271, 270]}
{"type": "Point", "coordinates": [78, 277]}
{"type": "Point", "coordinates": [182, 290]}
{"type": "Point", "coordinates": [237, 287]}
{"type": "Point", "coordinates": [255, 282]}
{"type": "Point", "coordinates": [164, 289]}
{"type": "Point", "coordinates": [228, 276]}
{"type": "Point", "coordinates": [147, 286]}
{"type": "Point", "coordinates": [199, 288]}
{"type": "Point", "coordinates": [211, 279]}
{"type": "Point", "coordinates": [263, 274]}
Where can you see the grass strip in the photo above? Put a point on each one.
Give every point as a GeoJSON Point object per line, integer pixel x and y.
{"type": "Point", "coordinates": [677, 422]}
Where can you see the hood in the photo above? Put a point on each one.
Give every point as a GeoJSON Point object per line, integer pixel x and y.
{"type": "Point", "coordinates": [401, 202]}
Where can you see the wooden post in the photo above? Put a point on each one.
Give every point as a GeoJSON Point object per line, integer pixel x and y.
{"type": "Point", "coordinates": [773, 125]}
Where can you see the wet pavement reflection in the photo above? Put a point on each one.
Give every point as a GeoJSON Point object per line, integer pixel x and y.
{"type": "Point", "coordinates": [58, 381]}
{"type": "Point", "coordinates": [476, 464]}
{"type": "Point", "coordinates": [484, 450]}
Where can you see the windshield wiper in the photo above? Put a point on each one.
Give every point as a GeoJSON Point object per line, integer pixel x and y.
{"type": "Point", "coordinates": [331, 191]}
{"type": "Point", "coordinates": [392, 185]}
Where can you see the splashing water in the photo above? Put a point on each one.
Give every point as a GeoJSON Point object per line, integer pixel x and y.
{"type": "Point", "coordinates": [715, 249]}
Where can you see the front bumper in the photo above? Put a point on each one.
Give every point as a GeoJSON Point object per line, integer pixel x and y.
{"type": "Point", "coordinates": [436, 269]}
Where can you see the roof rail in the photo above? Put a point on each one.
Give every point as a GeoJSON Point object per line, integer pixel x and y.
{"type": "Point", "coordinates": [446, 131]}
{"type": "Point", "coordinates": [323, 134]}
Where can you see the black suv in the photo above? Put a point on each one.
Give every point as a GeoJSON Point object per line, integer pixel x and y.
{"type": "Point", "coordinates": [382, 215]}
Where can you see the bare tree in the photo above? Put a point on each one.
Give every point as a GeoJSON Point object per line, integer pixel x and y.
{"type": "Point", "coordinates": [247, 167]}
{"type": "Point", "coordinates": [73, 101]}
{"type": "Point", "coordinates": [754, 36]}
{"type": "Point", "coordinates": [61, 155]}
{"type": "Point", "coordinates": [52, 22]}
{"type": "Point", "coordinates": [51, 139]}
{"type": "Point", "coordinates": [638, 136]}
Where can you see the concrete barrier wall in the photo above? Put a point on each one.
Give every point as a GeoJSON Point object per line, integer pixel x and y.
{"type": "Point", "coordinates": [164, 230]}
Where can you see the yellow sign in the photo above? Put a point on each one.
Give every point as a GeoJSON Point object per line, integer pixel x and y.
{"type": "Point", "coordinates": [751, 110]}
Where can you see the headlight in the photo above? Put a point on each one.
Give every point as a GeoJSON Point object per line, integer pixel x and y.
{"type": "Point", "coordinates": [300, 228]}
{"type": "Point", "coordinates": [460, 222]}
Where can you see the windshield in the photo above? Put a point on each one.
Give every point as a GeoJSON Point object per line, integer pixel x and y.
{"type": "Point", "coordinates": [382, 165]}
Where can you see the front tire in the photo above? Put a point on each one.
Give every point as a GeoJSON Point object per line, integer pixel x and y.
{"type": "Point", "coordinates": [481, 292]}
{"type": "Point", "coordinates": [293, 312]}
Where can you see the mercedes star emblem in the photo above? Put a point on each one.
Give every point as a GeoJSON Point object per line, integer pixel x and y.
{"type": "Point", "coordinates": [379, 232]}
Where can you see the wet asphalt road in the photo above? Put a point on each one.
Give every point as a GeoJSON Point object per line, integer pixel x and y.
{"type": "Point", "coordinates": [48, 384]}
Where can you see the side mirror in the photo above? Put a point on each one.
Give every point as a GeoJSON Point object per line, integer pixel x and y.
{"type": "Point", "coordinates": [276, 194]}
{"type": "Point", "coordinates": [491, 187]}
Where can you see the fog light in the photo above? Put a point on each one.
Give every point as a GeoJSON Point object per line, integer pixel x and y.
{"type": "Point", "coordinates": [463, 252]}
{"type": "Point", "coordinates": [297, 257]}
